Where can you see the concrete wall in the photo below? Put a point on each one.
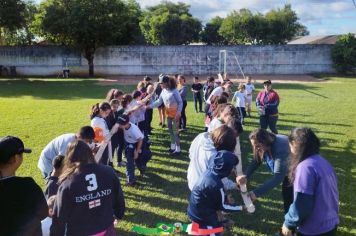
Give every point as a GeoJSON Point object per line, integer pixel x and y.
{"type": "Point", "coordinates": [146, 60]}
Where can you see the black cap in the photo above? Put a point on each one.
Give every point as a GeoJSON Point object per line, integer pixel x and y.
{"type": "Point", "coordinates": [10, 146]}
{"type": "Point", "coordinates": [123, 119]}
{"type": "Point", "coordinates": [267, 82]}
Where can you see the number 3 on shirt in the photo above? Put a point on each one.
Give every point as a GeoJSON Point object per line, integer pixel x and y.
{"type": "Point", "coordinates": [91, 178]}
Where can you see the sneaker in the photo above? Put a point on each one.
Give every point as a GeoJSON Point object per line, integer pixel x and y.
{"type": "Point", "coordinates": [160, 124]}
{"type": "Point", "coordinates": [164, 126]}
{"type": "Point", "coordinates": [142, 173]}
{"type": "Point", "coordinates": [171, 150]}
{"type": "Point", "coordinates": [121, 164]}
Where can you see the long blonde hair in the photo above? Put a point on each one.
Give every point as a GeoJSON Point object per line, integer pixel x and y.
{"type": "Point", "coordinates": [78, 153]}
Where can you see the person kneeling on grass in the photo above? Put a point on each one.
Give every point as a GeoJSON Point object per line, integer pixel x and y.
{"type": "Point", "coordinates": [208, 197]}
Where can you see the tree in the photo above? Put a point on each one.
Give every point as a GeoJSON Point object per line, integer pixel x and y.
{"type": "Point", "coordinates": [24, 34]}
{"type": "Point", "coordinates": [275, 27]}
{"type": "Point", "coordinates": [344, 54]}
{"type": "Point", "coordinates": [241, 27]}
{"type": "Point", "coordinates": [11, 17]}
{"type": "Point", "coordinates": [283, 25]}
{"type": "Point", "coordinates": [210, 34]}
{"type": "Point", "coordinates": [170, 24]}
{"type": "Point", "coordinates": [85, 25]}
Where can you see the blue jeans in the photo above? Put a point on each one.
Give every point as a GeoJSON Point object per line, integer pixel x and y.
{"type": "Point", "coordinates": [130, 166]}
{"type": "Point", "coordinates": [269, 121]}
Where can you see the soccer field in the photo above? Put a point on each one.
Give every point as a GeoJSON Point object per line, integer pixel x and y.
{"type": "Point", "coordinates": [38, 110]}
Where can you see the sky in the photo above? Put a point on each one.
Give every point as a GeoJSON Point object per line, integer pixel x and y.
{"type": "Point", "coordinates": [322, 17]}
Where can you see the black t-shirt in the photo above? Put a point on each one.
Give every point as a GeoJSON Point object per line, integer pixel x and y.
{"type": "Point", "coordinates": [87, 201]}
{"type": "Point", "coordinates": [197, 86]}
{"type": "Point", "coordinates": [22, 206]}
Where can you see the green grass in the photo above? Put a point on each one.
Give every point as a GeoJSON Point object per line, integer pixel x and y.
{"type": "Point", "coordinates": [38, 110]}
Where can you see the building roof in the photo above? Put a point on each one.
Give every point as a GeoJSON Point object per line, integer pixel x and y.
{"type": "Point", "coordinates": [326, 39]}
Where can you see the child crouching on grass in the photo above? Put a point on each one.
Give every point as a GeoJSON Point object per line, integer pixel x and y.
{"type": "Point", "coordinates": [134, 139]}
{"type": "Point", "coordinates": [208, 196]}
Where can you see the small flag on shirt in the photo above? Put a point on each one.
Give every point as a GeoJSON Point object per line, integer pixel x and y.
{"type": "Point", "coordinates": [94, 203]}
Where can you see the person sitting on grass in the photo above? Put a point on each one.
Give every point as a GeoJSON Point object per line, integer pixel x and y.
{"type": "Point", "coordinates": [134, 140]}
{"type": "Point", "coordinates": [52, 180]}
{"type": "Point", "coordinates": [315, 208]}
{"type": "Point", "coordinates": [58, 146]}
{"type": "Point", "coordinates": [208, 196]}
{"type": "Point", "coordinates": [22, 203]}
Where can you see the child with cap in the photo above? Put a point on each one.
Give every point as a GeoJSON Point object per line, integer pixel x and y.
{"type": "Point", "coordinates": [22, 202]}
{"type": "Point", "coordinates": [134, 139]}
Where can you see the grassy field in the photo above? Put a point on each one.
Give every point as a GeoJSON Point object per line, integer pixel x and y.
{"type": "Point", "coordinates": [38, 110]}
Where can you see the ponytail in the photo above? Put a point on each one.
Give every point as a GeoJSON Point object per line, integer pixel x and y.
{"type": "Point", "coordinates": [94, 111]}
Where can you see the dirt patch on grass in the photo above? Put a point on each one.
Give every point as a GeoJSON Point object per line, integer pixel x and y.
{"type": "Point", "coordinates": [134, 79]}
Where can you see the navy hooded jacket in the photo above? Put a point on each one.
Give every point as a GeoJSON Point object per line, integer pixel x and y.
{"type": "Point", "coordinates": [208, 195]}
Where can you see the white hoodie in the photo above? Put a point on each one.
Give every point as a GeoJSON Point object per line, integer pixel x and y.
{"type": "Point", "coordinates": [200, 152]}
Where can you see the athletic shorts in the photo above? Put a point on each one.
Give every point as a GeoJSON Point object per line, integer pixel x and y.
{"type": "Point", "coordinates": [248, 101]}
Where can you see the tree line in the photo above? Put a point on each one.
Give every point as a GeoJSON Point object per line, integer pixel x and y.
{"type": "Point", "coordinates": [89, 24]}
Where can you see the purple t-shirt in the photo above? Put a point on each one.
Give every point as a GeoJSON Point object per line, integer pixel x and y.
{"type": "Point", "coordinates": [315, 176]}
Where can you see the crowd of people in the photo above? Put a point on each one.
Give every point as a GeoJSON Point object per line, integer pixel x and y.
{"type": "Point", "coordinates": [83, 194]}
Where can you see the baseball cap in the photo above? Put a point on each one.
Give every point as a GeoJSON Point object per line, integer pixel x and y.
{"type": "Point", "coordinates": [267, 82]}
{"type": "Point", "coordinates": [10, 146]}
{"type": "Point", "coordinates": [163, 78]}
{"type": "Point", "coordinates": [123, 119]}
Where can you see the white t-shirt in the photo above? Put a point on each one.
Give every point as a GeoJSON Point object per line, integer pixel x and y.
{"type": "Point", "coordinates": [214, 124]}
{"type": "Point", "coordinates": [100, 128]}
{"type": "Point", "coordinates": [249, 88]}
{"type": "Point", "coordinates": [240, 99]}
{"type": "Point", "coordinates": [46, 225]}
{"type": "Point", "coordinates": [132, 134]}
{"type": "Point", "coordinates": [57, 146]}
{"type": "Point", "coordinates": [216, 92]}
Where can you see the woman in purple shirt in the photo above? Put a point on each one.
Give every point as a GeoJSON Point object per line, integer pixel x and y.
{"type": "Point", "coordinates": [315, 207]}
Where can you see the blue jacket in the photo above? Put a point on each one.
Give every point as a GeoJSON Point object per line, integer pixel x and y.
{"type": "Point", "coordinates": [208, 196]}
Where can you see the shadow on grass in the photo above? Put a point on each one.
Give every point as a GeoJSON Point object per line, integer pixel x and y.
{"type": "Point", "coordinates": [64, 89]}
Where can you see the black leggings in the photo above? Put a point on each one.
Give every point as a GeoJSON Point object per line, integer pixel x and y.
{"type": "Point", "coordinates": [183, 119]}
{"type": "Point", "coordinates": [197, 98]}
{"type": "Point", "coordinates": [287, 193]}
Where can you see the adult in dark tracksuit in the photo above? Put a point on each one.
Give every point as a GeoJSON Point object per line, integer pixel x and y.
{"type": "Point", "coordinates": [274, 151]}
{"type": "Point", "coordinates": [208, 195]}
{"type": "Point", "coordinates": [89, 195]}
{"type": "Point", "coordinates": [267, 102]}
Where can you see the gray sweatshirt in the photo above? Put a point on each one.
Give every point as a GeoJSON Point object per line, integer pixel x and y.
{"type": "Point", "coordinates": [170, 98]}
{"type": "Point", "coordinates": [183, 92]}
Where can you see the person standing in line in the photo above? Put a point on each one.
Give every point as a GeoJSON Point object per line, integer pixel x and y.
{"type": "Point", "coordinates": [196, 90]}
{"type": "Point", "coordinates": [161, 108]}
{"type": "Point", "coordinates": [183, 90]}
{"type": "Point", "coordinates": [315, 208]}
{"type": "Point", "coordinates": [249, 90]}
{"type": "Point", "coordinates": [240, 98]}
{"type": "Point", "coordinates": [267, 102]}
{"type": "Point", "coordinates": [22, 203]}
{"type": "Point", "coordinates": [173, 106]}
{"type": "Point", "coordinates": [89, 197]}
